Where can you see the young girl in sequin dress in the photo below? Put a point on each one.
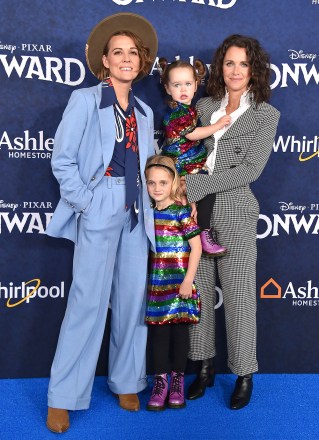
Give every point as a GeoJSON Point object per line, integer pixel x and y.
{"type": "Point", "coordinates": [173, 300]}
{"type": "Point", "coordinates": [183, 137]}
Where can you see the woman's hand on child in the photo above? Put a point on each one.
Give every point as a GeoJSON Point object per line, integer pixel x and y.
{"type": "Point", "coordinates": [184, 200]}
{"type": "Point", "coordinates": [182, 188]}
{"type": "Point", "coordinates": [185, 289]}
{"type": "Point", "coordinates": [194, 211]}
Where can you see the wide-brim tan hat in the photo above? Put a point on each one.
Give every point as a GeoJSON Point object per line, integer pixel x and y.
{"type": "Point", "coordinates": [123, 21]}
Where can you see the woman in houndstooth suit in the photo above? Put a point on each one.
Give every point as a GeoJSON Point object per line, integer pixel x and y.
{"type": "Point", "coordinates": [238, 86]}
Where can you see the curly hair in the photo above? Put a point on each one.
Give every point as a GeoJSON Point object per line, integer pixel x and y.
{"type": "Point", "coordinates": [259, 84]}
{"type": "Point", "coordinates": [143, 51]}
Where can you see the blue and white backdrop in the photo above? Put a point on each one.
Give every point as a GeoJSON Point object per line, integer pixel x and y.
{"type": "Point", "coordinates": [42, 60]}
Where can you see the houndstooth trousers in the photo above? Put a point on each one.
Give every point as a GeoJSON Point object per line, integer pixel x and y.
{"type": "Point", "coordinates": [242, 154]}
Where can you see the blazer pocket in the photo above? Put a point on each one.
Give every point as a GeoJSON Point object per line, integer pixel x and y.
{"type": "Point", "coordinates": [246, 201]}
{"type": "Point", "coordinates": [77, 223]}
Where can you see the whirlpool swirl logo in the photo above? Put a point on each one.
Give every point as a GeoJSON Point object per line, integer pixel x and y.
{"type": "Point", "coordinates": [15, 295]}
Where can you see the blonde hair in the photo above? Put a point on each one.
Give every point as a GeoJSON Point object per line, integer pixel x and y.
{"type": "Point", "coordinates": [166, 163]}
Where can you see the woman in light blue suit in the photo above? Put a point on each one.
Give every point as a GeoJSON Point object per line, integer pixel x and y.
{"type": "Point", "coordinates": [101, 147]}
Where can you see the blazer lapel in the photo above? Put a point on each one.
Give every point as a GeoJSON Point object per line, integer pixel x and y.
{"type": "Point", "coordinates": [108, 132]}
{"type": "Point", "coordinates": [235, 141]}
{"type": "Point", "coordinates": [206, 112]}
{"type": "Point", "coordinates": [107, 126]}
{"type": "Point", "coordinates": [205, 115]}
{"type": "Point", "coordinates": [142, 137]}
{"type": "Point", "coordinates": [244, 124]}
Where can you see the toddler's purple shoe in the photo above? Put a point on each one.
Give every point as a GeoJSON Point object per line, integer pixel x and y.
{"type": "Point", "coordinates": [158, 398]}
{"type": "Point", "coordinates": [210, 245]}
{"type": "Point", "coordinates": [176, 393]}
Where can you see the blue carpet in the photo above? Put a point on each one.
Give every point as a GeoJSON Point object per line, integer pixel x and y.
{"type": "Point", "coordinates": [282, 407]}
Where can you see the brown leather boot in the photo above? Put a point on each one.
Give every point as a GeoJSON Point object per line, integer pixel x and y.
{"type": "Point", "coordinates": [130, 402]}
{"type": "Point", "coordinates": [58, 420]}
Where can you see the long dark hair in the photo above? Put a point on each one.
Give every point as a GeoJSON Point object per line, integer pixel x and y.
{"type": "Point", "coordinates": [259, 64]}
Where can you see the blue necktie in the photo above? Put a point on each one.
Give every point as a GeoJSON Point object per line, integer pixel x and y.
{"type": "Point", "coordinates": [131, 168]}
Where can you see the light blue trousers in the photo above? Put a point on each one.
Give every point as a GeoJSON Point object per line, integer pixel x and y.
{"type": "Point", "coordinates": [110, 264]}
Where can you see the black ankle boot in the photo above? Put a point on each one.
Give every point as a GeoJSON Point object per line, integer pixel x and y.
{"type": "Point", "coordinates": [205, 378]}
{"type": "Point", "coordinates": [242, 392]}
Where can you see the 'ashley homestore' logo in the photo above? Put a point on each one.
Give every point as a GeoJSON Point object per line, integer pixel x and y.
{"type": "Point", "coordinates": [307, 295]}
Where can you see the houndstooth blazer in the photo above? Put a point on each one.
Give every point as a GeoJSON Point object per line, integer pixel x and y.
{"type": "Point", "coordinates": [243, 150]}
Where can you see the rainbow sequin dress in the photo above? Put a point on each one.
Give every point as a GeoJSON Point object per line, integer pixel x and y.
{"type": "Point", "coordinates": [189, 156]}
{"type": "Point", "coordinates": [174, 226]}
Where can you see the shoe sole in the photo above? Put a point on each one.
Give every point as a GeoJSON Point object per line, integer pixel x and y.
{"type": "Point", "coordinates": [155, 408]}
{"type": "Point", "coordinates": [129, 409]}
{"type": "Point", "coordinates": [55, 431]}
{"type": "Point", "coordinates": [198, 396]}
{"type": "Point", "coordinates": [236, 408]}
{"type": "Point", "coordinates": [221, 254]}
{"type": "Point", "coordinates": [171, 406]}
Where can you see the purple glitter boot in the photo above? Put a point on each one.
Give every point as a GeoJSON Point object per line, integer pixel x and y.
{"type": "Point", "coordinates": [158, 398]}
{"type": "Point", "coordinates": [176, 393]}
{"type": "Point", "coordinates": [210, 245]}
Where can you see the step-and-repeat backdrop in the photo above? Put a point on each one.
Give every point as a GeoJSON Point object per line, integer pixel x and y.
{"type": "Point", "coordinates": [42, 61]}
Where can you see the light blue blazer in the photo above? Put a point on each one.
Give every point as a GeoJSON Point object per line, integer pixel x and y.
{"type": "Point", "coordinates": [83, 148]}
